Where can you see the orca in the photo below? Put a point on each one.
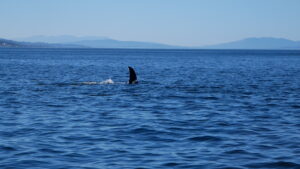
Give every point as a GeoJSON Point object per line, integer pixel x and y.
{"type": "Point", "coordinates": [132, 76]}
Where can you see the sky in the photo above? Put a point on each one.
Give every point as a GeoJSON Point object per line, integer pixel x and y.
{"type": "Point", "coordinates": [174, 22]}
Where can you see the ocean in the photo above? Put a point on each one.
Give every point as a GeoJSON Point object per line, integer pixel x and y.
{"type": "Point", "coordinates": [73, 108]}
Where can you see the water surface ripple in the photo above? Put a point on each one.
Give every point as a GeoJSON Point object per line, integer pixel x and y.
{"type": "Point", "coordinates": [192, 109]}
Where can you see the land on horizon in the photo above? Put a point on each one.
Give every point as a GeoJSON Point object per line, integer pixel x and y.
{"type": "Point", "coordinates": [68, 41]}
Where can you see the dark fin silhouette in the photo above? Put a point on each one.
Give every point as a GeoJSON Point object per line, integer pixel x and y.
{"type": "Point", "coordinates": [132, 76]}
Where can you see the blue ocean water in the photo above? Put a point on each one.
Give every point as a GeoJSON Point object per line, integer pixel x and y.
{"type": "Point", "coordinates": [72, 108]}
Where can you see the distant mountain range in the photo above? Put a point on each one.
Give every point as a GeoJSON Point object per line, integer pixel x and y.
{"type": "Point", "coordinates": [59, 39]}
{"type": "Point", "coordinates": [258, 43]}
{"type": "Point", "coordinates": [67, 41]}
{"type": "Point", "coordinates": [16, 44]}
{"type": "Point", "coordinates": [110, 43]}
{"type": "Point", "coordinates": [94, 42]}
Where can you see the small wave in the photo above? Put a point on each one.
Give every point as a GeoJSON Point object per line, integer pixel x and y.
{"type": "Point", "coordinates": [276, 164]}
{"type": "Point", "coordinates": [244, 152]}
{"type": "Point", "coordinates": [143, 130]}
{"type": "Point", "coordinates": [7, 148]}
{"type": "Point", "coordinates": [171, 164]}
{"type": "Point", "coordinates": [205, 138]}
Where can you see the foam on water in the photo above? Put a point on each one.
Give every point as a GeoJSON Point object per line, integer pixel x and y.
{"type": "Point", "coordinates": [107, 81]}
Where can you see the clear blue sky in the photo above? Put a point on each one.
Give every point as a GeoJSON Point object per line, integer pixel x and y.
{"type": "Point", "coordinates": [177, 22]}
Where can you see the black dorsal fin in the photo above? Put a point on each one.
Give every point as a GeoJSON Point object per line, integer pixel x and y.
{"type": "Point", "coordinates": [132, 76]}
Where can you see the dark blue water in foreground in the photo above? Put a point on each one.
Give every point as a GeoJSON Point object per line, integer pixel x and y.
{"type": "Point", "coordinates": [192, 109]}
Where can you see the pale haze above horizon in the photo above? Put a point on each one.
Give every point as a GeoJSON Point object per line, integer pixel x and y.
{"type": "Point", "coordinates": [174, 22]}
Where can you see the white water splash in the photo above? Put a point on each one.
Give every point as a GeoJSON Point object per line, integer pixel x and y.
{"type": "Point", "coordinates": [107, 81]}
{"type": "Point", "coordinates": [89, 83]}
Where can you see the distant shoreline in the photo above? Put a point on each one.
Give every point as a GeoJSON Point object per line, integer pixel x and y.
{"type": "Point", "coordinates": [245, 44]}
{"type": "Point", "coordinates": [181, 49]}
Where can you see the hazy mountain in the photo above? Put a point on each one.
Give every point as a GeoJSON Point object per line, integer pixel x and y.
{"type": "Point", "coordinates": [59, 39]}
{"type": "Point", "coordinates": [93, 42]}
{"type": "Point", "coordinates": [66, 41]}
{"type": "Point", "coordinates": [110, 43]}
{"type": "Point", "coordinates": [249, 43]}
{"type": "Point", "coordinates": [258, 43]}
{"type": "Point", "coordinates": [104, 43]}
{"type": "Point", "coordinates": [8, 43]}
{"type": "Point", "coordinates": [11, 43]}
